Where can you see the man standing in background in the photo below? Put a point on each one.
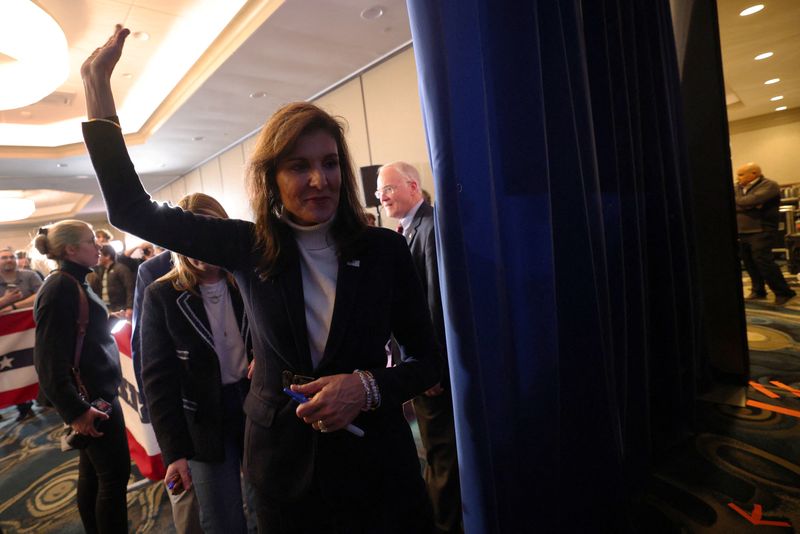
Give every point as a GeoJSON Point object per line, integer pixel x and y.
{"type": "Point", "coordinates": [757, 202]}
{"type": "Point", "coordinates": [400, 193]}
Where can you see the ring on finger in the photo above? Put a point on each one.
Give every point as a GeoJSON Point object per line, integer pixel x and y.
{"type": "Point", "coordinates": [321, 426]}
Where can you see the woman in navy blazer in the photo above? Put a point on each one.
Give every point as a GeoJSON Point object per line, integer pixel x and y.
{"type": "Point", "coordinates": [324, 293]}
{"type": "Point", "coordinates": [194, 364]}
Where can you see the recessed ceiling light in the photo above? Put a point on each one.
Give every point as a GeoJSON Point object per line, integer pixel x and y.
{"type": "Point", "coordinates": [372, 13]}
{"type": "Point", "coordinates": [141, 36]}
{"type": "Point", "coordinates": [752, 9]}
{"type": "Point", "coordinates": [61, 165]}
{"type": "Point", "coordinates": [258, 94]}
{"type": "Point", "coordinates": [780, 108]}
{"type": "Point", "coordinates": [773, 80]}
{"type": "Point", "coordinates": [765, 55]}
{"type": "Point", "coordinates": [127, 75]}
{"type": "Point", "coordinates": [197, 138]}
{"type": "Point", "coordinates": [776, 98]}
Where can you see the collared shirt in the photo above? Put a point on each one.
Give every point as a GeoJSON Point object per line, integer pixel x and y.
{"type": "Point", "coordinates": [28, 282]}
{"type": "Point", "coordinates": [746, 188]}
{"type": "Point", "coordinates": [409, 218]}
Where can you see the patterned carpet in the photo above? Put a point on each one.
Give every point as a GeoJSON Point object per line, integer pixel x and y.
{"type": "Point", "coordinates": [38, 482]}
{"type": "Point", "coordinates": [741, 472]}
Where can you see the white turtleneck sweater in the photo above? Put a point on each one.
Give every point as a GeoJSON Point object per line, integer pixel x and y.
{"type": "Point", "coordinates": [319, 267]}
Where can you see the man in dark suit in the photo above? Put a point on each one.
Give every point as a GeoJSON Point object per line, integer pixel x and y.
{"type": "Point", "coordinates": [757, 202]}
{"type": "Point", "coordinates": [400, 193]}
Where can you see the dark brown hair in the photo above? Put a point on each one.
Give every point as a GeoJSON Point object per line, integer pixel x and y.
{"type": "Point", "coordinates": [276, 141]}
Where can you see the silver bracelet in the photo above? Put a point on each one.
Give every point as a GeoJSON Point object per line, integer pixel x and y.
{"type": "Point", "coordinates": [373, 396]}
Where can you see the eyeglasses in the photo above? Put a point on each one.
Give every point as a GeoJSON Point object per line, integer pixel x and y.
{"type": "Point", "coordinates": [387, 190]}
{"type": "Point", "coordinates": [6, 258]}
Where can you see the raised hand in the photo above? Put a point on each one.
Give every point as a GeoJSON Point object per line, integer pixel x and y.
{"type": "Point", "coordinates": [103, 60]}
{"type": "Point", "coordinates": [96, 74]}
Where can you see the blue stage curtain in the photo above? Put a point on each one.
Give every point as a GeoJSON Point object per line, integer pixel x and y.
{"type": "Point", "coordinates": [566, 257]}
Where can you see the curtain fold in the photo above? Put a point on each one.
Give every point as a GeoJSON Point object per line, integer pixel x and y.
{"type": "Point", "coordinates": [565, 263]}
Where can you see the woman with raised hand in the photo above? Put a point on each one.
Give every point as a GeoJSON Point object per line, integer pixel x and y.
{"type": "Point", "coordinates": [323, 292]}
{"type": "Point", "coordinates": [105, 464]}
{"type": "Point", "coordinates": [194, 368]}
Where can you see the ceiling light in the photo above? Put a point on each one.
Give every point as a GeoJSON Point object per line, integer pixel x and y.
{"type": "Point", "coordinates": [765, 55]}
{"type": "Point", "coordinates": [372, 13]}
{"type": "Point", "coordinates": [773, 80]}
{"type": "Point", "coordinates": [197, 138]}
{"type": "Point", "coordinates": [38, 47]}
{"type": "Point", "coordinates": [141, 36]}
{"type": "Point", "coordinates": [127, 75]}
{"type": "Point", "coordinates": [776, 98]}
{"type": "Point", "coordinates": [16, 209]}
{"type": "Point", "coordinates": [258, 94]}
{"type": "Point", "coordinates": [61, 165]}
{"type": "Point", "coordinates": [780, 108]}
{"type": "Point", "coordinates": [752, 9]}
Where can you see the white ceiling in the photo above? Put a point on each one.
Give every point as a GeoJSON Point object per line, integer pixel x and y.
{"type": "Point", "coordinates": [775, 29]}
{"type": "Point", "coordinates": [303, 48]}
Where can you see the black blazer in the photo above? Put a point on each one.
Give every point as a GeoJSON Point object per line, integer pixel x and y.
{"type": "Point", "coordinates": [377, 294]}
{"type": "Point", "coordinates": [421, 238]}
{"type": "Point", "coordinates": [181, 375]}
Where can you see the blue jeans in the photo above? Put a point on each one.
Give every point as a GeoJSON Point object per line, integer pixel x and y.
{"type": "Point", "coordinates": [218, 485]}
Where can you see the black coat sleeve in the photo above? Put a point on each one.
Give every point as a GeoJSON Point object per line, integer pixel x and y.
{"type": "Point", "coordinates": [56, 314]}
{"type": "Point", "coordinates": [161, 378]}
{"type": "Point", "coordinates": [419, 367]}
{"type": "Point", "coordinates": [224, 242]}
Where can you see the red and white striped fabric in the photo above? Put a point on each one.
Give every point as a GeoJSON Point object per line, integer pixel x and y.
{"type": "Point", "coordinates": [18, 380]}
{"type": "Point", "coordinates": [141, 436]}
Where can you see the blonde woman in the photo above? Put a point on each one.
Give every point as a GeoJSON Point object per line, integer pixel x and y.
{"type": "Point", "coordinates": [105, 462]}
{"type": "Point", "coordinates": [194, 369]}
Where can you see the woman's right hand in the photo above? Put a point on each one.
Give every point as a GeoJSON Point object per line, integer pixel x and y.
{"type": "Point", "coordinates": [84, 424]}
{"type": "Point", "coordinates": [179, 467]}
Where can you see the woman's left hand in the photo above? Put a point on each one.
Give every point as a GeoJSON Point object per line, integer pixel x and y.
{"type": "Point", "coordinates": [335, 401]}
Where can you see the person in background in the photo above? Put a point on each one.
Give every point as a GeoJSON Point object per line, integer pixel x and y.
{"type": "Point", "coordinates": [185, 512]}
{"type": "Point", "coordinates": [24, 264]}
{"type": "Point", "coordinates": [757, 203]}
{"type": "Point", "coordinates": [104, 465]}
{"type": "Point", "coordinates": [113, 282]}
{"type": "Point", "coordinates": [400, 193]}
{"type": "Point", "coordinates": [195, 389]}
{"type": "Point", "coordinates": [104, 237]}
{"type": "Point", "coordinates": [18, 287]}
{"type": "Point", "coordinates": [371, 221]}
{"type": "Point", "coordinates": [323, 292]}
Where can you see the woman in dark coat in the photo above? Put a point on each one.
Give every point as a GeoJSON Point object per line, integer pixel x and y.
{"type": "Point", "coordinates": [324, 293]}
{"type": "Point", "coordinates": [105, 462]}
{"type": "Point", "coordinates": [194, 367]}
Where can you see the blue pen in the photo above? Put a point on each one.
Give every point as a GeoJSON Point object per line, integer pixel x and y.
{"type": "Point", "coordinates": [300, 398]}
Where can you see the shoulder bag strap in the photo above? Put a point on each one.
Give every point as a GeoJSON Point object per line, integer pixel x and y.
{"type": "Point", "coordinates": [82, 323]}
